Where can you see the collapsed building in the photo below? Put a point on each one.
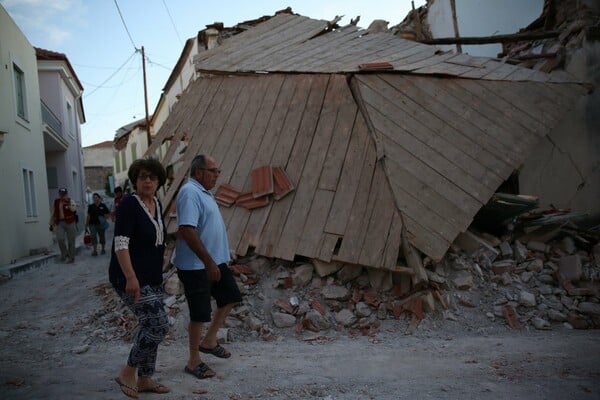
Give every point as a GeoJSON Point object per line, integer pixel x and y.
{"type": "Point", "coordinates": [354, 147]}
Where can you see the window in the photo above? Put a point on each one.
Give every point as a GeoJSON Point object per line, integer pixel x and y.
{"type": "Point", "coordinates": [117, 163]}
{"type": "Point", "coordinates": [29, 189]}
{"type": "Point", "coordinates": [52, 175]}
{"type": "Point", "coordinates": [133, 151]}
{"type": "Point", "coordinates": [20, 92]}
{"type": "Point", "coordinates": [123, 161]}
{"type": "Point", "coordinates": [69, 119]}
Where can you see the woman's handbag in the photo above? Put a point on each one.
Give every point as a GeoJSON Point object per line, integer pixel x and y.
{"type": "Point", "coordinates": [87, 238]}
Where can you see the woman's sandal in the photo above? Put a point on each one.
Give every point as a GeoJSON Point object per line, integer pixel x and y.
{"type": "Point", "coordinates": [129, 391]}
{"type": "Point", "coordinates": [157, 388]}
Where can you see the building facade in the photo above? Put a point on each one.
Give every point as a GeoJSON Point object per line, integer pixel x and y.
{"type": "Point", "coordinates": [62, 116]}
{"type": "Point", "coordinates": [24, 229]}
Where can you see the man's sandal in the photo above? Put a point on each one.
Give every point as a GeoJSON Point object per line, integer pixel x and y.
{"type": "Point", "coordinates": [217, 351]}
{"type": "Point", "coordinates": [201, 371]}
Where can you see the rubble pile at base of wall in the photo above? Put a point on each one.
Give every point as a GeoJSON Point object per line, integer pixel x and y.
{"type": "Point", "coordinates": [483, 283]}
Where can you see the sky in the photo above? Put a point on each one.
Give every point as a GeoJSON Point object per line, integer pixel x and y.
{"type": "Point", "coordinates": [103, 39]}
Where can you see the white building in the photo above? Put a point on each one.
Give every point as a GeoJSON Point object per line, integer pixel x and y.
{"type": "Point", "coordinates": [40, 140]}
{"type": "Point", "coordinates": [24, 229]}
{"type": "Point", "coordinates": [62, 116]}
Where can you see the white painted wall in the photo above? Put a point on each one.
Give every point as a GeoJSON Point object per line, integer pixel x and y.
{"type": "Point", "coordinates": [22, 147]}
{"type": "Point", "coordinates": [57, 90]}
{"type": "Point", "coordinates": [482, 18]}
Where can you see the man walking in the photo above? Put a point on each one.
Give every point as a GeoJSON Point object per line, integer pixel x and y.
{"type": "Point", "coordinates": [201, 258]}
{"type": "Point", "coordinates": [64, 222]}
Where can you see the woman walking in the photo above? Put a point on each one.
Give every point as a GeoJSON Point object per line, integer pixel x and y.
{"type": "Point", "coordinates": [136, 273]}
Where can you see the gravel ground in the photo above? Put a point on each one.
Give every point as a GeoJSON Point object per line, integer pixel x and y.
{"type": "Point", "coordinates": [50, 349]}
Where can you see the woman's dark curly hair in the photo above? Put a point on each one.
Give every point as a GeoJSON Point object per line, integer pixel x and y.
{"type": "Point", "coordinates": [151, 165]}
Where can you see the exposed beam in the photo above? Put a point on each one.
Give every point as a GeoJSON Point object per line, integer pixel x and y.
{"type": "Point", "coordinates": [514, 37]}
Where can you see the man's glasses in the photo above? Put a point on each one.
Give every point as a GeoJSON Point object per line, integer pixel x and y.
{"type": "Point", "coordinates": [213, 170]}
{"type": "Point", "coordinates": [144, 176]}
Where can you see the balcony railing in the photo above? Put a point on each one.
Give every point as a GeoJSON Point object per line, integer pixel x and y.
{"type": "Point", "coordinates": [51, 120]}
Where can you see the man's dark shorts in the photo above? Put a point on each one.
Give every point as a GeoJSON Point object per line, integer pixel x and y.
{"type": "Point", "coordinates": [198, 290]}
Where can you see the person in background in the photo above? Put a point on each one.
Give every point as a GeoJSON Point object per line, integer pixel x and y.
{"type": "Point", "coordinates": [97, 222]}
{"type": "Point", "coordinates": [201, 258]}
{"type": "Point", "coordinates": [63, 222]}
{"type": "Point", "coordinates": [135, 272]}
{"type": "Point", "coordinates": [118, 197]}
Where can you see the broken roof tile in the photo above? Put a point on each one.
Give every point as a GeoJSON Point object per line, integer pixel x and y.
{"type": "Point", "coordinates": [226, 195]}
{"type": "Point", "coordinates": [375, 66]}
{"type": "Point", "coordinates": [262, 181]}
{"type": "Point", "coordinates": [283, 184]}
{"type": "Point", "coordinates": [248, 201]}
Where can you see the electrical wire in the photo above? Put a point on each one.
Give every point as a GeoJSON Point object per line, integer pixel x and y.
{"type": "Point", "coordinates": [125, 25]}
{"type": "Point", "coordinates": [111, 76]}
{"type": "Point", "coordinates": [172, 23]}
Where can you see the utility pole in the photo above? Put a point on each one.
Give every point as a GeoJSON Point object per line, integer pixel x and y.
{"type": "Point", "coordinates": [148, 135]}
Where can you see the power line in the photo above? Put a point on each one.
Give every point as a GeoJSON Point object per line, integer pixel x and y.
{"type": "Point", "coordinates": [172, 23]}
{"type": "Point", "coordinates": [125, 25]}
{"type": "Point", "coordinates": [111, 75]}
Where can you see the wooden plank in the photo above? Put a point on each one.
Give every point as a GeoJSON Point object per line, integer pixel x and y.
{"type": "Point", "coordinates": [293, 162]}
{"type": "Point", "coordinates": [174, 145]}
{"type": "Point", "coordinates": [426, 241]}
{"type": "Point", "coordinates": [414, 120]}
{"type": "Point", "coordinates": [393, 242]}
{"type": "Point", "coordinates": [249, 85]}
{"type": "Point", "coordinates": [290, 105]}
{"type": "Point", "coordinates": [444, 68]}
{"type": "Point", "coordinates": [292, 58]}
{"type": "Point", "coordinates": [432, 60]}
{"type": "Point", "coordinates": [311, 238]}
{"type": "Point", "coordinates": [517, 137]}
{"type": "Point", "coordinates": [327, 61]}
{"type": "Point", "coordinates": [328, 245]}
{"type": "Point", "coordinates": [489, 91]}
{"type": "Point", "coordinates": [499, 73]}
{"type": "Point", "coordinates": [406, 184]}
{"type": "Point", "coordinates": [363, 50]}
{"type": "Point", "coordinates": [489, 119]}
{"type": "Point", "coordinates": [240, 177]}
{"type": "Point", "coordinates": [339, 142]}
{"type": "Point", "coordinates": [393, 53]}
{"type": "Point", "coordinates": [210, 106]}
{"type": "Point", "coordinates": [433, 158]}
{"type": "Point", "coordinates": [436, 181]}
{"type": "Point", "coordinates": [371, 177]}
{"type": "Point", "coordinates": [462, 115]}
{"type": "Point", "coordinates": [242, 40]}
{"type": "Point", "coordinates": [445, 121]}
{"type": "Point", "coordinates": [348, 186]}
{"type": "Point", "coordinates": [260, 103]}
{"type": "Point", "coordinates": [520, 74]}
{"type": "Point", "coordinates": [311, 171]}
{"type": "Point", "coordinates": [425, 210]}
{"type": "Point", "coordinates": [262, 60]}
{"type": "Point", "coordinates": [477, 73]}
{"type": "Point", "coordinates": [379, 224]}
{"type": "Point", "coordinates": [282, 36]}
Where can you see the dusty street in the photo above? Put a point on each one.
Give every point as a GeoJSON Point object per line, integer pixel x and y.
{"type": "Point", "coordinates": [47, 353]}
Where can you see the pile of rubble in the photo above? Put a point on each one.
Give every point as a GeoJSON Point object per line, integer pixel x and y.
{"type": "Point", "coordinates": [537, 280]}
